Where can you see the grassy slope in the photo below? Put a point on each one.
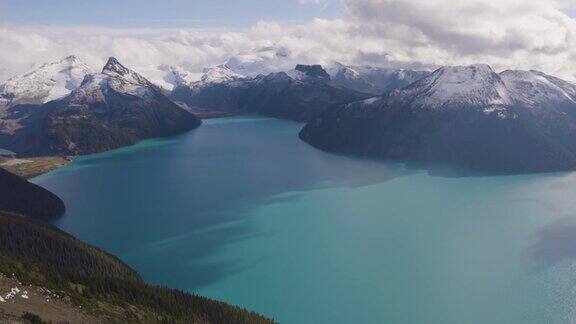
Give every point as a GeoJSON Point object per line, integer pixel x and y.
{"type": "Point", "coordinates": [33, 167]}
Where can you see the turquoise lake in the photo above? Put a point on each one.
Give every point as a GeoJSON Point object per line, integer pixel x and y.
{"type": "Point", "coordinates": [241, 210]}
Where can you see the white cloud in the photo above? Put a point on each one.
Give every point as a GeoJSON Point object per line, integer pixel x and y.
{"type": "Point", "coordinates": [505, 33]}
{"type": "Point", "coordinates": [525, 34]}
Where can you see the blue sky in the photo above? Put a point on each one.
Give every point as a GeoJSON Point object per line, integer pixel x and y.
{"type": "Point", "coordinates": [167, 13]}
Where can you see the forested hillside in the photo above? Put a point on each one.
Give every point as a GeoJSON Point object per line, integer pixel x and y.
{"type": "Point", "coordinates": [40, 255]}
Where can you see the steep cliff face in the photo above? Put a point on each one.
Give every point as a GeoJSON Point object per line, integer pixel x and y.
{"type": "Point", "coordinates": [468, 116]}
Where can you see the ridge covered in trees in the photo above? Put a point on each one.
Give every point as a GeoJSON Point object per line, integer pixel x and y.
{"type": "Point", "coordinates": [19, 196]}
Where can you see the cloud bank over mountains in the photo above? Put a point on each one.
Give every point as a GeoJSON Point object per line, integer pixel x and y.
{"type": "Point", "coordinates": [518, 34]}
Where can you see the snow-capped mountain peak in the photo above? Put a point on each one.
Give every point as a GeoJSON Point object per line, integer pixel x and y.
{"type": "Point", "coordinates": [114, 77]}
{"type": "Point", "coordinates": [534, 88]}
{"type": "Point", "coordinates": [180, 76]}
{"type": "Point", "coordinates": [350, 73]}
{"type": "Point", "coordinates": [48, 82]}
{"type": "Point", "coordinates": [344, 70]}
{"type": "Point", "coordinates": [375, 80]}
{"type": "Point", "coordinates": [219, 74]}
{"type": "Point", "coordinates": [115, 69]}
{"type": "Point", "coordinates": [458, 86]}
{"type": "Point", "coordinates": [169, 77]}
{"type": "Point", "coordinates": [261, 61]}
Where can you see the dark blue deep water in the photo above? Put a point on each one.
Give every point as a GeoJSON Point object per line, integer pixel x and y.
{"type": "Point", "coordinates": [240, 210]}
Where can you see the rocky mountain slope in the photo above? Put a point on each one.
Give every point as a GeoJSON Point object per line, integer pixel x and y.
{"type": "Point", "coordinates": [536, 89]}
{"type": "Point", "coordinates": [297, 95]}
{"type": "Point", "coordinates": [516, 121]}
{"type": "Point", "coordinates": [114, 108]}
{"type": "Point", "coordinates": [48, 82]}
{"type": "Point", "coordinates": [372, 80]}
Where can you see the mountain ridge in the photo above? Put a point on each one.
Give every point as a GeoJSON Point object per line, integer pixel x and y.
{"type": "Point", "coordinates": [373, 80]}
{"type": "Point", "coordinates": [111, 109]}
{"type": "Point", "coordinates": [48, 82]}
{"type": "Point", "coordinates": [465, 115]}
{"type": "Point", "coordinates": [298, 95]}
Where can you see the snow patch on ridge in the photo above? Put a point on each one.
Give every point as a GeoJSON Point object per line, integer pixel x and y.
{"type": "Point", "coordinates": [533, 88]}
{"type": "Point", "coordinates": [370, 101]}
{"type": "Point", "coordinates": [114, 77]}
{"type": "Point", "coordinates": [49, 82]}
{"type": "Point", "coordinates": [474, 85]}
{"type": "Point", "coordinates": [219, 74]}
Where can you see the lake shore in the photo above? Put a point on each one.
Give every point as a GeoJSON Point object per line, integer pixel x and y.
{"type": "Point", "coordinates": [28, 168]}
{"type": "Point", "coordinates": [32, 167]}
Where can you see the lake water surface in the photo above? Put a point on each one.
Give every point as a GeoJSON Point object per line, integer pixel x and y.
{"type": "Point", "coordinates": [240, 210]}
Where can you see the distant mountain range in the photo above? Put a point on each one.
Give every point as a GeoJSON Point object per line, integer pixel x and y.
{"type": "Point", "coordinates": [64, 108]}
{"type": "Point", "coordinates": [299, 94]}
{"type": "Point", "coordinates": [230, 88]}
{"type": "Point", "coordinates": [515, 121]}
{"type": "Point", "coordinates": [374, 80]}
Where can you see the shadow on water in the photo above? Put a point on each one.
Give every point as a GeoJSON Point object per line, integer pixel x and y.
{"type": "Point", "coordinates": [554, 244]}
{"type": "Point", "coordinates": [447, 170]}
{"type": "Point", "coordinates": [169, 207]}
{"type": "Point", "coordinates": [191, 254]}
